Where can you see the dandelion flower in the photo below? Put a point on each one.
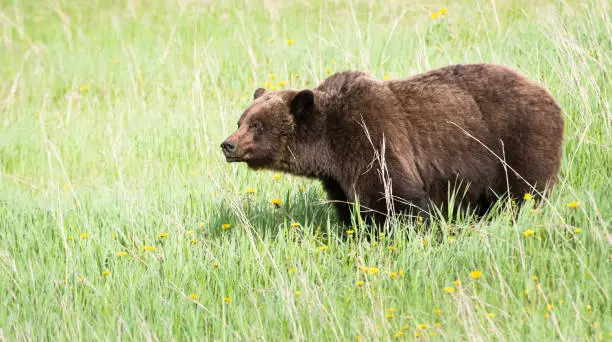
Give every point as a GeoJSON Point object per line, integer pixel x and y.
{"type": "Point", "coordinates": [291, 270]}
{"type": "Point", "coordinates": [389, 315]}
{"type": "Point", "coordinates": [534, 278]}
{"type": "Point", "coordinates": [405, 327]}
{"type": "Point", "coordinates": [227, 299]}
{"type": "Point", "coordinates": [328, 70]}
{"type": "Point", "coordinates": [423, 326]}
{"type": "Point", "coordinates": [438, 325]}
{"type": "Point", "coordinates": [491, 315]}
{"type": "Point", "coordinates": [476, 274]}
{"type": "Point", "coordinates": [373, 270]}
{"type": "Point", "coordinates": [399, 334]}
{"type": "Point", "coordinates": [532, 211]}
{"type": "Point", "coordinates": [449, 289]}
{"type": "Point", "coordinates": [392, 249]}
{"type": "Point", "coordinates": [272, 76]}
{"type": "Point", "coordinates": [267, 84]}
{"type": "Point", "coordinates": [114, 235]}
{"type": "Point", "coordinates": [350, 232]}
{"type": "Point", "coordinates": [216, 265]}
{"type": "Point", "coordinates": [528, 232]}
{"type": "Point", "coordinates": [295, 224]}
{"type": "Point", "coordinates": [573, 204]}
{"type": "Point", "coordinates": [360, 283]}
{"type": "Point", "coordinates": [577, 230]}
{"type": "Point", "coordinates": [386, 77]}
{"type": "Point", "coordinates": [193, 241]}
{"type": "Point", "coordinates": [443, 10]}
{"type": "Point", "coordinates": [276, 202]}
{"type": "Point", "coordinates": [362, 268]}
{"type": "Point", "coordinates": [549, 307]}
{"type": "Point", "coordinates": [302, 188]}
{"type": "Point", "coordinates": [393, 275]}
{"type": "Point", "coordinates": [189, 232]}
{"type": "Point", "coordinates": [589, 308]}
{"type": "Point", "coordinates": [538, 286]}
{"type": "Point", "coordinates": [282, 83]}
{"type": "Point", "coordinates": [297, 293]}
{"type": "Point", "coordinates": [84, 88]}
{"type": "Point", "coordinates": [321, 248]}
{"type": "Point", "coordinates": [527, 197]}
{"type": "Point", "coordinates": [226, 226]}
{"type": "Point", "coordinates": [121, 253]}
{"type": "Point", "coordinates": [437, 311]}
{"type": "Point", "coordinates": [194, 296]}
{"type": "Point", "coordinates": [162, 235]}
{"type": "Point", "coordinates": [69, 238]}
{"type": "Point", "coordinates": [84, 236]}
{"type": "Point", "coordinates": [400, 272]}
{"type": "Point", "coordinates": [116, 60]}
{"type": "Point", "coordinates": [434, 15]}
{"type": "Point", "coordinates": [106, 272]}
{"type": "Point", "coordinates": [290, 42]}
{"type": "Point", "coordinates": [148, 248]}
{"type": "Point", "coordinates": [546, 315]}
{"type": "Point", "coordinates": [250, 191]}
{"type": "Point", "coordinates": [451, 239]}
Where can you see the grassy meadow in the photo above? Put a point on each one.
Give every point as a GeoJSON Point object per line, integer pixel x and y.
{"type": "Point", "coordinates": [120, 219]}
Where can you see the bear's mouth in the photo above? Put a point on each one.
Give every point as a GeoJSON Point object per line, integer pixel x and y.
{"type": "Point", "coordinates": [233, 159]}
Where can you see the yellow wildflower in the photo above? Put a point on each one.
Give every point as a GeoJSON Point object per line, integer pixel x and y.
{"type": "Point", "coordinates": [443, 10]}
{"type": "Point", "coordinates": [321, 248]}
{"type": "Point", "coordinates": [84, 88]}
{"type": "Point", "coordinates": [362, 268]}
{"type": "Point", "coordinates": [276, 202]}
{"type": "Point", "coordinates": [373, 270]}
{"type": "Point", "coordinates": [291, 270]}
{"type": "Point", "coordinates": [162, 235]}
{"type": "Point", "coordinates": [527, 197]}
{"type": "Point", "coordinates": [302, 188]}
{"type": "Point", "coordinates": [532, 211]}
{"type": "Point", "coordinates": [434, 15]}
{"type": "Point", "coordinates": [272, 76]}
{"type": "Point", "coordinates": [290, 42]}
{"type": "Point", "coordinates": [577, 230]}
{"type": "Point", "coordinates": [449, 289]}
{"type": "Point", "coordinates": [114, 235]}
{"type": "Point", "coordinates": [573, 204]}
{"type": "Point", "coordinates": [227, 299]}
{"type": "Point", "coordinates": [393, 275]}
{"type": "Point", "coordinates": [386, 77]}
{"type": "Point", "coordinates": [216, 265]}
{"type": "Point", "coordinates": [589, 308]}
{"type": "Point", "coordinates": [194, 296]}
{"type": "Point", "coordinates": [189, 232]}
{"type": "Point", "coordinates": [399, 334]}
{"type": "Point", "coordinates": [226, 226]}
{"type": "Point", "coordinates": [360, 283]}
{"type": "Point", "coordinates": [328, 70]}
{"type": "Point", "coordinates": [193, 241]}
{"type": "Point", "coordinates": [121, 253]}
{"type": "Point", "coordinates": [106, 272]}
{"type": "Point", "coordinates": [546, 315]}
{"type": "Point", "coordinates": [423, 326]}
{"type": "Point", "coordinates": [549, 307]}
{"type": "Point", "coordinates": [350, 232]}
{"type": "Point", "coordinates": [405, 327]}
{"type": "Point", "coordinates": [491, 315]}
{"type": "Point", "coordinates": [148, 248]}
{"type": "Point", "coordinates": [282, 83]}
{"type": "Point", "coordinates": [389, 315]}
{"type": "Point", "coordinates": [69, 238]}
{"type": "Point", "coordinates": [267, 84]}
{"type": "Point", "coordinates": [116, 60]}
{"type": "Point", "coordinates": [438, 325]}
{"type": "Point", "coordinates": [476, 274]}
{"type": "Point", "coordinates": [250, 191]}
{"type": "Point", "coordinates": [457, 282]}
{"type": "Point", "coordinates": [392, 249]}
{"type": "Point", "coordinates": [528, 232]}
{"type": "Point", "coordinates": [295, 224]}
{"type": "Point", "coordinates": [297, 293]}
{"type": "Point", "coordinates": [400, 272]}
{"type": "Point", "coordinates": [437, 311]}
{"type": "Point", "coordinates": [534, 278]}
{"type": "Point", "coordinates": [84, 236]}
{"type": "Point", "coordinates": [451, 239]}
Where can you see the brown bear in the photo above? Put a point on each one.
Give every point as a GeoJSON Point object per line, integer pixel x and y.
{"type": "Point", "coordinates": [398, 146]}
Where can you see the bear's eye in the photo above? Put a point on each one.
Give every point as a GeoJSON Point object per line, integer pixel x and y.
{"type": "Point", "coordinates": [256, 125]}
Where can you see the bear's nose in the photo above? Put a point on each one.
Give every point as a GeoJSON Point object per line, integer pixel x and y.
{"type": "Point", "coordinates": [228, 147]}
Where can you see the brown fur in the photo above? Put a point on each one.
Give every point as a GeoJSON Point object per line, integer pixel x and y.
{"type": "Point", "coordinates": [447, 127]}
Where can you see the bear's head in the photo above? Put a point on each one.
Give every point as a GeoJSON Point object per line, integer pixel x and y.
{"type": "Point", "coordinates": [268, 129]}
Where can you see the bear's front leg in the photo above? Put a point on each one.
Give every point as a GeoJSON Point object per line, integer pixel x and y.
{"type": "Point", "coordinates": [338, 197]}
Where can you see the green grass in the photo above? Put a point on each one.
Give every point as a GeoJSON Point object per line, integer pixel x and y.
{"type": "Point", "coordinates": [111, 115]}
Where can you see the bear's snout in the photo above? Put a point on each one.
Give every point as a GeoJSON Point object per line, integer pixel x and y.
{"type": "Point", "coordinates": [229, 149]}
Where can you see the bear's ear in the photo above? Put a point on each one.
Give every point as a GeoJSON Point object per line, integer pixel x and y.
{"type": "Point", "coordinates": [302, 105]}
{"type": "Point", "coordinates": [258, 93]}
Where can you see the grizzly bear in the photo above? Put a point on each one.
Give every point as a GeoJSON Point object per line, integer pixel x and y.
{"type": "Point", "coordinates": [482, 131]}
